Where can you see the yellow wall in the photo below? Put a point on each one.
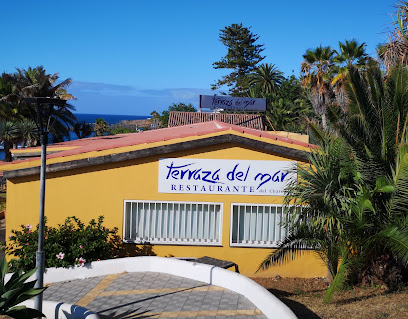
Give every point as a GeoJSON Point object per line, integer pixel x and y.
{"type": "Point", "coordinates": [100, 190]}
{"type": "Point", "coordinates": [294, 136]}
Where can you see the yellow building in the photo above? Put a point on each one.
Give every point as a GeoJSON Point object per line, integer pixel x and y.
{"type": "Point", "coordinates": [208, 189]}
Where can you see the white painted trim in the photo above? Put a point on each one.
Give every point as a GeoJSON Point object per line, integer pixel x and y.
{"type": "Point", "coordinates": [274, 244]}
{"type": "Point", "coordinates": [124, 220]}
{"type": "Point", "coordinates": [266, 246]}
{"type": "Point", "coordinates": [172, 243]}
{"type": "Point", "coordinates": [59, 310]}
{"type": "Point", "coordinates": [266, 302]}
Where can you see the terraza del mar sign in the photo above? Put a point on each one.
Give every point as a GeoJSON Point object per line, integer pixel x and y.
{"type": "Point", "coordinates": [232, 103]}
{"type": "Point", "coordinates": [228, 177]}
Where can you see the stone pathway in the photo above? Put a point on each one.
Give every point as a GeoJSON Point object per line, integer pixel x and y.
{"type": "Point", "coordinates": [152, 295]}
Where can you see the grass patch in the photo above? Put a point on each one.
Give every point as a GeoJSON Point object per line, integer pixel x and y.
{"type": "Point", "coordinates": [305, 298]}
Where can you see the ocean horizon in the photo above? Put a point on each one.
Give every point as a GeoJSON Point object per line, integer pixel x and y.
{"type": "Point", "coordinates": [109, 118]}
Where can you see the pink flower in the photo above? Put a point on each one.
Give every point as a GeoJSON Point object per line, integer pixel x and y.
{"type": "Point", "coordinates": [29, 226]}
{"type": "Point", "coordinates": [46, 237]}
{"type": "Point", "coordinates": [80, 246]}
{"type": "Point", "coordinates": [28, 244]}
{"type": "Point", "coordinates": [60, 256]}
{"type": "Point", "coordinates": [81, 261]}
{"type": "Point", "coordinates": [10, 236]}
{"type": "Point", "coordinates": [98, 260]}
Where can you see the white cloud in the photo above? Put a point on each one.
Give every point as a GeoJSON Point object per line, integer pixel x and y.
{"type": "Point", "coordinates": [102, 98]}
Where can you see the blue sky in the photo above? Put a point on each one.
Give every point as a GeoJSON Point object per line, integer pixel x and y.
{"type": "Point", "coordinates": [132, 57]}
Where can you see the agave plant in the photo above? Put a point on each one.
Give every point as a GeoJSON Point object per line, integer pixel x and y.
{"type": "Point", "coordinates": [15, 291]}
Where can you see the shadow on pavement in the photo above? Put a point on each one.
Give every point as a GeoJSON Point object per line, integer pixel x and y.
{"type": "Point", "coordinates": [299, 309]}
{"type": "Point", "coordinates": [140, 314]}
{"type": "Point", "coordinates": [130, 314]}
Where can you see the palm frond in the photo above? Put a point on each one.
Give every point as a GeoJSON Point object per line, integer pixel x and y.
{"type": "Point", "coordinates": [290, 247]}
{"type": "Point", "coordinates": [339, 279]}
{"type": "Point", "coordinates": [395, 238]}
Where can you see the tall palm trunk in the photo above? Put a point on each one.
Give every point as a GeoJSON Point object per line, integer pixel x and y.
{"type": "Point", "coordinates": [319, 104]}
{"type": "Point", "coordinates": [7, 154]}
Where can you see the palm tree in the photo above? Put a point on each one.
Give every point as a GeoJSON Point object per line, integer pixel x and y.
{"type": "Point", "coordinates": [354, 200]}
{"type": "Point", "coordinates": [267, 77]}
{"type": "Point", "coordinates": [395, 51]}
{"type": "Point", "coordinates": [10, 105]}
{"type": "Point", "coordinates": [316, 76]}
{"type": "Point", "coordinates": [316, 201]}
{"type": "Point", "coordinates": [351, 54]}
{"type": "Point", "coordinates": [100, 127]}
{"type": "Point", "coordinates": [14, 127]}
{"type": "Point", "coordinates": [8, 134]}
{"type": "Point", "coordinates": [82, 130]}
{"type": "Point", "coordinates": [35, 82]}
{"type": "Point", "coordinates": [288, 108]}
{"type": "Point", "coordinates": [27, 132]}
{"type": "Point", "coordinates": [377, 115]}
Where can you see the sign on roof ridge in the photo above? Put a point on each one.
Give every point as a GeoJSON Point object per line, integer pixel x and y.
{"type": "Point", "coordinates": [232, 103]}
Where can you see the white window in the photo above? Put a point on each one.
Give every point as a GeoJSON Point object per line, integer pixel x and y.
{"type": "Point", "coordinates": [182, 223]}
{"type": "Point", "coordinates": [257, 225]}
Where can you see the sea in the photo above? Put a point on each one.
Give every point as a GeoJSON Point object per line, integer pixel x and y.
{"type": "Point", "coordinates": [90, 118]}
{"type": "Point", "coordinates": [111, 119]}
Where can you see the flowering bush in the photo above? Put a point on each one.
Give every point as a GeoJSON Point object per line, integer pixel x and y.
{"type": "Point", "coordinates": [71, 243]}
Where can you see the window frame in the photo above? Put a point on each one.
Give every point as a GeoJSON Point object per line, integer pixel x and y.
{"type": "Point", "coordinates": [179, 242]}
{"type": "Point", "coordinates": [255, 245]}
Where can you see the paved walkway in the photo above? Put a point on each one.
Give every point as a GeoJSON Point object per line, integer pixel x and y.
{"type": "Point", "coordinates": [152, 295]}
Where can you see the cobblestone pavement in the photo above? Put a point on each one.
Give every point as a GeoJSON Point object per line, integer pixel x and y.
{"type": "Point", "coordinates": [152, 295]}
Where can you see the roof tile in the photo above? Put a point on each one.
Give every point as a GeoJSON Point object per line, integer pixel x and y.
{"type": "Point", "coordinates": [165, 134]}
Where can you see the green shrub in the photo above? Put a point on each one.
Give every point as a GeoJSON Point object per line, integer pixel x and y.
{"type": "Point", "coordinates": [71, 243]}
{"type": "Point", "coordinates": [120, 130]}
{"type": "Point", "coordinates": [15, 291]}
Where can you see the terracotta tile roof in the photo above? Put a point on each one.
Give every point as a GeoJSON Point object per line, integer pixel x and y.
{"type": "Point", "coordinates": [101, 143]}
{"type": "Point", "coordinates": [186, 118]}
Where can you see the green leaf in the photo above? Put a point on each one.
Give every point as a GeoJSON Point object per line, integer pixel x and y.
{"type": "Point", "coordinates": [396, 238]}
{"type": "Point", "coordinates": [338, 280]}
{"type": "Point", "coordinates": [3, 269]}
{"type": "Point", "coordinates": [22, 312]}
{"type": "Point", "coordinates": [28, 295]}
{"type": "Point", "coordinates": [7, 297]}
{"type": "Point", "coordinates": [20, 279]}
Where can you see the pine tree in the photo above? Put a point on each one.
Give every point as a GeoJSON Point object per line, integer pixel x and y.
{"type": "Point", "coordinates": [243, 56]}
